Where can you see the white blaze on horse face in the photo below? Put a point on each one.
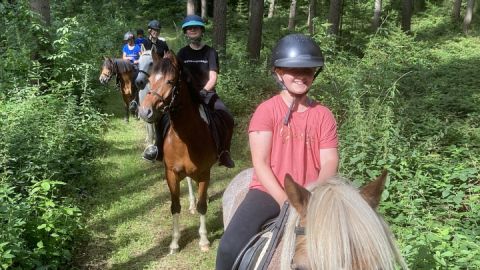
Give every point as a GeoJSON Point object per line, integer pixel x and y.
{"type": "Point", "coordinates": [158, 76]}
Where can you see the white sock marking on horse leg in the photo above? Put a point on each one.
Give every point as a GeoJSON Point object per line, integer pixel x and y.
{"type": "Point", "coordinates": [191, 197]}
{"type": "Point", "coordinates": [175, 234]}
{"type": "Point", "coordinates": [202, 231]}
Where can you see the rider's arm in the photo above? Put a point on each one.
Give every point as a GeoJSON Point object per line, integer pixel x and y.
{"type": "Point", "coordinates": [212, 80]}
{"type": "Point", "coordinates": [260, 147]}
{"type": "Point", "coordinates": [328, 163]}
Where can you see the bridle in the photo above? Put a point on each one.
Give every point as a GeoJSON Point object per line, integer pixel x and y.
{"type": "Point", "coordinates": [173, 93]}
{"type": "Point", "coordinates": [111, 67]}
{"type": "Point", "coordinates": [143, 71]}
{"type": "Point", "coordinates": [299, 231]}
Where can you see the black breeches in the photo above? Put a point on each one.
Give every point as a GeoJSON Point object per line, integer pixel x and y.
{"type": "Point", "coordinates": [257, 208]}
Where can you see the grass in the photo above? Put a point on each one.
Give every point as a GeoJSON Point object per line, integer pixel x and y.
{"type": "Point", "coordinates": [128, 220]}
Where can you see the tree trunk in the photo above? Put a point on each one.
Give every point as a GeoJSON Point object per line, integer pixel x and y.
{"type": "Point", "coordinates": [377, 13]}
{"type": "Point", "coordinates": [334, 14]}
{"type": "Point", "coordinates": [312, 8]}
{"type": "Point", "coordinates": [271, 9]}
{"type": "Point", "coordinates": [406, 15]}
{"type": "Point", "coordinates": [190, 7]}
{"type": "Point", "coordinates": [468, 16]}
{"type": "Point", "coordinates": [220, 26]}
{"type": "Point", "coordinates": [255, 26]}
{"type": "Point", "coordinates": [43, 42]}
{"type": "Point", "coordinates": [203, 11]}
{"type": "Point", "coordinates": [42, 7]}
{"type": "Point", "coordinates": [292, 15]}
{"type": "Point", "coordinates": [457, 4]}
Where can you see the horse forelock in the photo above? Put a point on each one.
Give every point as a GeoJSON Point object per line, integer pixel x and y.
{"type": "Point", "coordinates": [342, 231]}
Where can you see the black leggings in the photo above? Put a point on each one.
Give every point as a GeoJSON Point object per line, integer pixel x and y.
{"type": "Point", "coordinates": [257, 208]}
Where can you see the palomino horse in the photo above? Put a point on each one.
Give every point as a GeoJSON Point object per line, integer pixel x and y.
{"type": "Point", "coordinates": [124, 71]}
{"type": "Point", "coordinates": [332, 226]}
{"type": "Point", "coordinates": [189, 149]}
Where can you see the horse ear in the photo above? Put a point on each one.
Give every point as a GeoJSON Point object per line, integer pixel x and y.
{"type": "Point", "coordinates": [142, 48]}
{"type": "Point", "coordinates": [298, 196]}
{"type": "Point", "coordinates": [372, 192]}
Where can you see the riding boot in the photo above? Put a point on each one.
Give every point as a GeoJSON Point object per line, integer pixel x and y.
{"type": "Point", "coordinates": [226, 160]}
{"type": "Point", "coordinates": [150, 153]}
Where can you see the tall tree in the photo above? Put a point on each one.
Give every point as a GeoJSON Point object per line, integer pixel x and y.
{"type": "Point", "coordinates": [190, 7]}
{"type": "Point", "coordinates": [43, 41]}
{"type": "Point", "coordinates": [468, 16]}
{"type": "Point", "coordinates": [312, 8]}
{"type": "Point", "coordinates": [42, 7]}
{"type": "Point", "coordinates": [271, 9]}
{"type": "Point", "coordinates": [334, 15]}
{"type": "Point", "coordinates": [255, 25]}
{"type": "Point", "coordinates": [220, 26]}
{"type": "Point", "coordinates": [292, 15]}
{"type": "Point", "coordinates": [407, 7]}
{"type": "Point", "coordinates": [457, 4]}
{"type": "Point", "coordinates": [203, 11]}
{"type": "Point", "coordinates": [377, 13]}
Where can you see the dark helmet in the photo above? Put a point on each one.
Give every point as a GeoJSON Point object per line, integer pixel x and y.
{"type": "Point", "coordinates": [193, 20]}
{"type": "Point", "coordinates": [154, 24]}
{"type": "Point", "coordinates": [128, 35]}
{"type": "Point", "coordinates": [140, 31]}
{"type": "Point", "coordinates": [297, 51]}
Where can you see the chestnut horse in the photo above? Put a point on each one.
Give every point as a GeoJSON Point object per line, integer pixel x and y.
{"type": "Point", "coordinates": [124, 71]}
{"type": "Point", "coordinates": [189, 149]}
{"type": "Point", "coordinates": [332, 225]}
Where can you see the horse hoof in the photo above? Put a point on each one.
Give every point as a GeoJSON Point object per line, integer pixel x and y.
{"type": "Point", "coordinates": [205, 248]}
{"type": "Point", "coordinates": [193, 210]}
{"type": "Point", "coordinates": [173, 251]}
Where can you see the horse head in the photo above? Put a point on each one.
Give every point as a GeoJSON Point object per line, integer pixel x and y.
{"type": "Point", "coordinates": [145, 65]}
{"type": "Point", "coordinates": [164, 87]}
{"type": "Point", "coordinates": [335, 226]}
{"type": "Point", "coordinates": [106, 71]}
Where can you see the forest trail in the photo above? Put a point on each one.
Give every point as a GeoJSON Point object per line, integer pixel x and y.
{"type": "Point", "coordinates": [128, 220]}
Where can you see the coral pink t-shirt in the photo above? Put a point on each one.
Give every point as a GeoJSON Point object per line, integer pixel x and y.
{"type": "Point", "coordinates": [296, 147]}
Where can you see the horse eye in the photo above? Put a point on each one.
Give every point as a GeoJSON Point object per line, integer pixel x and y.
{"type": "Point", "coordinates": [170, 82]}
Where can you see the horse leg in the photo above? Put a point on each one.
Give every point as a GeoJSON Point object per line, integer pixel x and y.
{"type": "Point", "coordinates": [127, 115]}
{"type": "Point", "coordinates": [175, 207]}
{"type": "Point", "coordinates": [150, 139]}
{"type": "Point", "coordinates": [202, 209]}
{"type": "Point", "coordinates": [191, 197]}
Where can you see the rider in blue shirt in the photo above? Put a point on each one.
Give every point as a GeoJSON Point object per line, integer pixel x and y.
{"type": "Point", "coordinates": [139, 39]}
{"type": "Point", "coordinates": [131, 51]}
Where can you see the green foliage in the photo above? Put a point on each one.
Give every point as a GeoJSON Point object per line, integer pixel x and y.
{"type": "Point", "coordinates": [37, 227]}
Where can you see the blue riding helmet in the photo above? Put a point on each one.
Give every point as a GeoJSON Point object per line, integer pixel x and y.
{"type": "Point", "coordinates": [193, 20]}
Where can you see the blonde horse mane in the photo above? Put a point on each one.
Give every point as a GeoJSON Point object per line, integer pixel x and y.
{"type": "Point", "coordinates": [342, 231]}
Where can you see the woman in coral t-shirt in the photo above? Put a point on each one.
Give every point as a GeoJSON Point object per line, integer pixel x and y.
{"type": "Point", "coordinates": [288, 133]}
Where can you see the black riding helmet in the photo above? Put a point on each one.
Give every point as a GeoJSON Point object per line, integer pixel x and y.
{"type": "Point", "coordinates": [154, 24]}
{"type": "Point", "coordinates": [297, 51]}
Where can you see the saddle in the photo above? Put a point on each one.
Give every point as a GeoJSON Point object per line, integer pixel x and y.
{"type": "Point", "coordinates": [258, 252]}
